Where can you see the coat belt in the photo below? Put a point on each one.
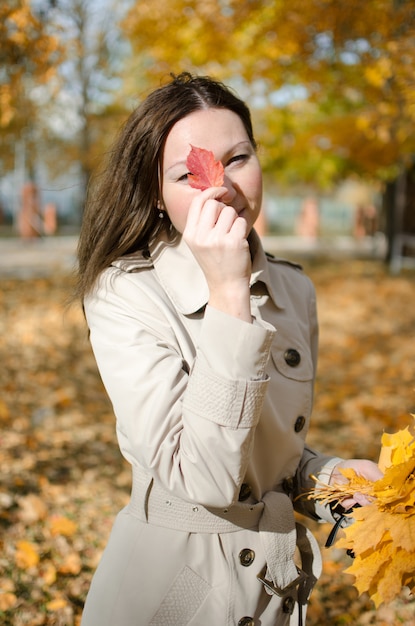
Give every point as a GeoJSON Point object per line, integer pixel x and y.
{"type": "Point", "coordinates": [272, 517]}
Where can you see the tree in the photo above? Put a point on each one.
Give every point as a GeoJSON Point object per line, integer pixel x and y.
{"type": "Point", "coordinates": [84, 111]}
{"type": "Point", "coordinates": [328, 76]}
{"type": "Point", "coordinates": [28, 56]}
{"type": "Point", "coordinates": [330, 83]}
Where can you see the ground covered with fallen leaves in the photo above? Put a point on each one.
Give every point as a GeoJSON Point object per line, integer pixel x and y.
{"type": "Point", "coordinates": [62, 479]}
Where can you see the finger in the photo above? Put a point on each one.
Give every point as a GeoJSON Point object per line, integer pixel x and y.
{"type": "Point", "coordinates": [226, 218]}
{"type": "Point", "coordinates": [210, 214]}
{"type": "Point", "coordinates": [198, 205]}
{"type": "Point", "coordinates": [240, 228]}
{"type": "Point", "coordinates": [357, 499]}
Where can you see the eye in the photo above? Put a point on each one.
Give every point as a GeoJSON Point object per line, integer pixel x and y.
{"type": "Point", "coordinates": [183, 178]}
{"type": "Point", "coordinates": [238, 158]}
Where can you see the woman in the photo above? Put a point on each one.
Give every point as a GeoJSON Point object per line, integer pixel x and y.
{"type": "Point", "coordinates": [207, 348]}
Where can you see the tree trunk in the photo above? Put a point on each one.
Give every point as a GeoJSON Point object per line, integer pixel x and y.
{"type": "Point", "coordinates": [399, 213]}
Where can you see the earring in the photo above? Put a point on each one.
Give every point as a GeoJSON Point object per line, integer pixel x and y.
{"type": "Point", "coordinates": [161, 212]}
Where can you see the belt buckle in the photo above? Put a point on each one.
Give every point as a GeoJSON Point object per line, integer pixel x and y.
{"type": "Point", "coordinates": [281, 591]}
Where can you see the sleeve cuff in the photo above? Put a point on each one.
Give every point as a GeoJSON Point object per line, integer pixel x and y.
{"type": "Point", "coordinates": [233, 348]}
{"type": "Point", "coordinates": [323, 510]}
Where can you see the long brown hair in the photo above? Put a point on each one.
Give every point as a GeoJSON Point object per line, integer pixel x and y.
{"type": "Point", "coordinates": [120, 215]}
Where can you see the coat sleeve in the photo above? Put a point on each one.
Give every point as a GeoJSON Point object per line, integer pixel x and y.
{"type": "Point", "coordinates": [191, 428]}
{"type": "Point", "coordinates": [320, 466]}
{"type": "Point", "coordinates": [313, 463]}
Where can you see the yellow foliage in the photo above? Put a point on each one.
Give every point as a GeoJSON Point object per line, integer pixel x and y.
{"type": "Point", "coordinates": [382, 535]}
{"type": "Point", "coordinates": [56, 604]}
{"type": "Point", "coordinates": [31, 508]}
{"type": "Point", "coordinates": [26, 555]}
{"type": "Point", "coordinates": [27, 51]}
{"type": "Point", "coordinates": [4, 409]}
{"type": "Point", "coordinates": [359, 78]}
{"type": "Point", "coordinates": [378, 73]}
{"type": "Point", "coordinates": [48, 574]}
{"type": "Point", "coordinates": [396, 448]}
{"type": "Point", "coordinates": [72, 564]}
{"type": "Point", "coordinates": [60, 525]}
{"type": "Point", "coordinates": [7, 601]}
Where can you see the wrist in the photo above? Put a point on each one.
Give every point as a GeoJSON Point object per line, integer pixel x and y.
{"type": "Point", "coordinates": [233, 300]}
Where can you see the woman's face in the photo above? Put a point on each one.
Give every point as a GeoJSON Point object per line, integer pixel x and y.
{"type": "Point", "coordinates": [222, 132]}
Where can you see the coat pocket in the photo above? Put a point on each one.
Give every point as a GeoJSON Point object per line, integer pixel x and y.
{"type": "Point", "coordinates": [291, 356]}
{"type": "Point", "coordinates": [183, 599]}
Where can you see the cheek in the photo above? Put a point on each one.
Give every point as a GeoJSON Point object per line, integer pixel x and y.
{"type": "Point", "coordinates": [177, 207]}
{"type": "Point", "coordinates": [254, 186]}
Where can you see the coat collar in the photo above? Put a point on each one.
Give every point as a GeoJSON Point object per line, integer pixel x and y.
{"type": "Point", "coordinates": [182, 278]}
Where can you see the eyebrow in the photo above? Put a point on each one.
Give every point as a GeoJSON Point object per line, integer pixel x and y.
{"type": "Point", "coordinates": [235, 147]}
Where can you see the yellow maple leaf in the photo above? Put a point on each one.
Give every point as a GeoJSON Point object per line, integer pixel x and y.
{"type": "Point", "coordinates": [72, 564]}
{"type": "Point", "coordinates": [382, 535]}
{"type": "Point", "coordinates": [402, 531]}
{"type": "Point", "coordinates": [26, 555]}
{"type": "Point", "coordinates": [395, 491]}
{"type": "Point", "coordinates": [56, 604]}
{"type": "Point", "coordinates": [48, 574]}
{"type": "Point", "coordinates": [60, 525]}
{"type": "Point", "coordinates": [7, 600]}
{"type": "Point", "coordinates": [379, 572]}
{"type": "Point", "coordinates": [397, 447]}
{"type": "Point", "coordinates": [366, 524]}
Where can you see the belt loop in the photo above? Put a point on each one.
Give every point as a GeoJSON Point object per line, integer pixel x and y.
{"type": "Point", "coordinates": [142, 484]}
{"type": "Point", "coordinates": [147, 497]}
{"type": "Point", "coordinates": [278, 535]}
{"type": "Point", "coordinates": [311, 561]}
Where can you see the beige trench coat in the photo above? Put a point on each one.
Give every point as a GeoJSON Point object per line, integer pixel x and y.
{"type": "Point", "coordinates": [212, 414]}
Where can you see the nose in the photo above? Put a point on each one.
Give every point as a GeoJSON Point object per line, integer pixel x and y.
{"type": "Point", "coordinates": [231, 190]}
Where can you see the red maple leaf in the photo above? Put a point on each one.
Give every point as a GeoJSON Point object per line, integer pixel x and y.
{"type": "Point", "coordinates": [205, 170]}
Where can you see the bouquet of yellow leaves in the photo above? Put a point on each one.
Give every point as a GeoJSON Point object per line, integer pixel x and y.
{"type": "Point", "coordinates": [382, 537]}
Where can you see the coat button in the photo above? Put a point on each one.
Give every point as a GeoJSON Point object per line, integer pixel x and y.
{"type": "Point", "coordinates": [288, 605]}
{"type": "Point", "coordinates": [292, 357]}
{"type": "Point", "coordinates": [299, 423]}
{"type": "Point", "coordinates": [288, 485]}
{"type": "Point", "coordinates": [244, 492]}
{"type": "Point", "coordinates": [246, 621]}
{"type": "Point", "coordinates": [246, 557]}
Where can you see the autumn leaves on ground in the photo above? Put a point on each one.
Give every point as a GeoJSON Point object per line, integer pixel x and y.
{"type": "Point", "coordinates": [62, 479]}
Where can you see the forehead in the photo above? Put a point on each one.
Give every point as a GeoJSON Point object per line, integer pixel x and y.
{"type": "Point", "coordinates": [213, 129]}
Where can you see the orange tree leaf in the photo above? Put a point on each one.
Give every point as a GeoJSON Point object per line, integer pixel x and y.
{"type": "Point", "coordinates": [7, 601]}
{"type": "Point", "coordinates": [367, 531]}
{"type": "Point", "coordinates": [366, 568]}
{"type": "Point", "coordinates": [397, 447]}
{"type": "Point", "coordinates": [205, 171]}
{"type": "Point", "coordinates": [395, 491]}
{"type": "Point", "coordinates": [394, 575]}
{"type": "Point", "coordinates": [72, 564]}
{"type": "Point", "coordinates": [402, 531]}
{"type": "Point", "coordinates": [56, 604]}
{"type": "Point", "coordinates": [384, 545]}
{"type": "Point", "coordinates": [60, 525]}
{"type": "Point", "coordinates": [48, 574]}
{"type": "Point", "coordinates": [380, 572]}
{"type": "Point", "coordinates": [26, 555]}
{"type": "Point", "coordinates": [382, 535]}
{"type": "Point", "coordinates": [356, 482]}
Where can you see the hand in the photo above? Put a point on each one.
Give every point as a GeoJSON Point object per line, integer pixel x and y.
{"type": "Point", "coordinates": [217, 237]}
{"type": "Point", "coordinates": [362, 467]}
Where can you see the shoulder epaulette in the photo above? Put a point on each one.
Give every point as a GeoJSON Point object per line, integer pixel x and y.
{"type": "Point", "coordinates": [134, 262]}
{"type": "Point", "coordinates": [274, 259]}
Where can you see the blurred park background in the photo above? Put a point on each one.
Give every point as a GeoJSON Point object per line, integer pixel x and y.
{"type": "Point", "coordinates": [331, 87]}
